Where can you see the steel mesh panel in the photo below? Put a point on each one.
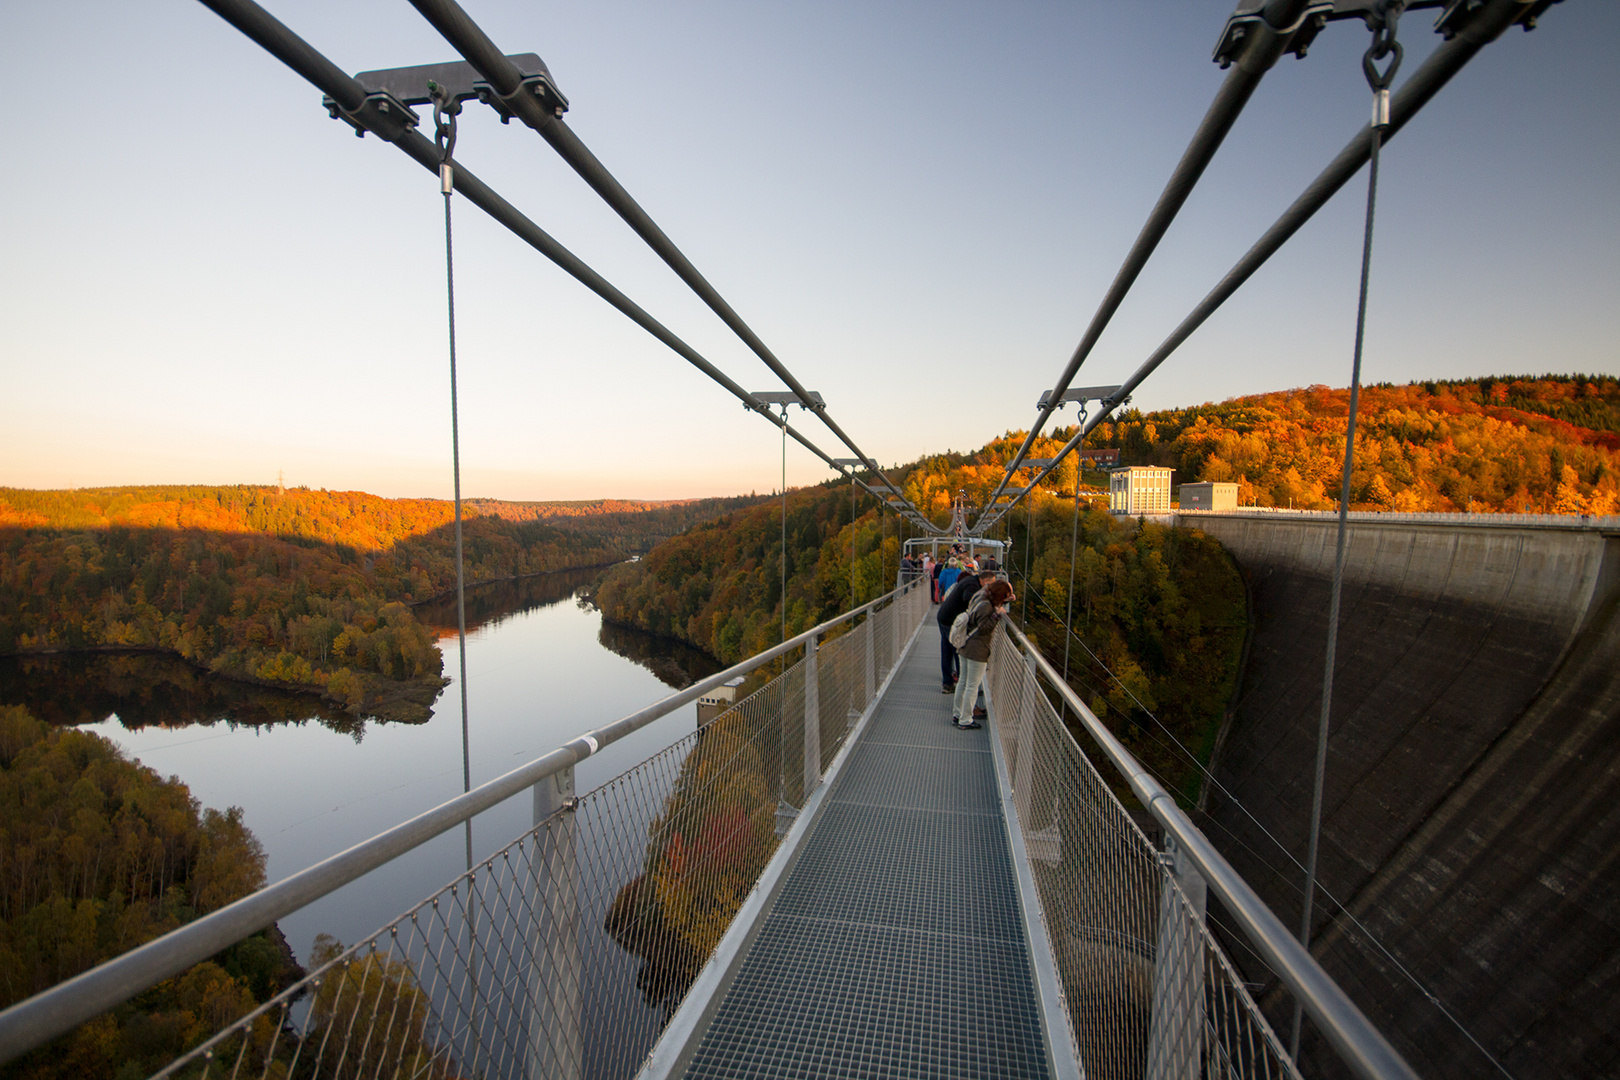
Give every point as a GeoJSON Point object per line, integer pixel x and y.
{"type": "Point", "coordinates": [564, 953]}
{"type": "Point", "coordinates": [787, 738]}
{"type": "Point", "coordinates": [883, 629]}
{"type": "Point", "coordinates": [895, 947]}
{"type": "Point", "coordinates": [511, 970]}
{"type": "Point", "coordinates": [918, 1012]}
{"type": "Point", "coordinates": [1146, 989]}
{"type": "Point", "coordinates": [839, 696]}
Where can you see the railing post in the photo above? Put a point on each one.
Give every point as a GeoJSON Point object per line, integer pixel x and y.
{"type": "Point", "coordinates": [812, 719]}
{"type": "Point", "coordinates": [896, 609]}
{"type": "Point", "coordinates": [1024, 774]}
{"type": "Point", "coordinates": [871, 659]}
{"type": "Point", "coordinates": [556, 1037]}
{"type": "Point", "coordinates": [1176, 1034]}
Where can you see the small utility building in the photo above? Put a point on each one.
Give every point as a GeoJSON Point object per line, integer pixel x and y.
{"type": "Point", "coordinates": [1208, 495]}
{"type": "Point", "coordinates": [717, 701]}
{"type": "Point", "coordinates": [1140, 489]}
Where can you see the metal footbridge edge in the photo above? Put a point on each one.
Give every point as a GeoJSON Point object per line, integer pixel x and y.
{"type": "Point", "coordinates": [681, 1036]}
{"type": "Point", "coordinates": [1055, 1028]}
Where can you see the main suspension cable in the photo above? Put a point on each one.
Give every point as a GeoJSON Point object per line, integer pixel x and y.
{"type": "Point", "coordinates": [1265, 43]}
{"type": "Point", "coordinates": [350, 98]}
{"type": "Point", "coordinates": [467, 38]}
{"type": "Point", "coordinates": [1484, 27]}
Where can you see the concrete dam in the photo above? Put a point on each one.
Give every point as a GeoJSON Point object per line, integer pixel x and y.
{"type": "Point", "coordinates": [1471, 815]}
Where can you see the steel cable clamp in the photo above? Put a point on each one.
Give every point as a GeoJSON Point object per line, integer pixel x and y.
{"type": "Point", "coordinates": [381, 113]}
{"type": "Point", "coordinates": [537, 86]}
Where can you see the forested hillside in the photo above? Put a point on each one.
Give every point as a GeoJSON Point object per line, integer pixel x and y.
{"type": "Point", "coordinates": [307, 589]}
{"type": "Point", "coordinates": [1163, 609]}
{"type": "Point", "coordinates": [645, 522]}
{"type": "Point", "coordinates": [1493, 445]}
{"type": "Point", "coordinates": [101, 854]}
{"type": "Point", "coordinates": [718, 586]}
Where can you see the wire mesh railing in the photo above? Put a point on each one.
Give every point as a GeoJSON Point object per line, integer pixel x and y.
{"type": "Point", "coordinates": [1146, 989]}
{"type": "Point", "coordinates": [566, 952]}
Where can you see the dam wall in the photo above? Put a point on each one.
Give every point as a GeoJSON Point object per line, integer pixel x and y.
{"type": "Point", "coordinates": [1471, 811]}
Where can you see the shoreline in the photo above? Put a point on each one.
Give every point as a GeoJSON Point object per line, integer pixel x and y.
{"type": "Point", "coordinates": [387, 700]}
{"type": "Point", "coordinates": [449, 593]}
{"type": "Point", "coordinates": [394, 702]}
{"type": "Point", "coordinates": [663, 637]}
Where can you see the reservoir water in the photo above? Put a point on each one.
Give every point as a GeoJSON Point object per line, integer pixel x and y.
{"type": "Point", "coordinates": [541, 669]}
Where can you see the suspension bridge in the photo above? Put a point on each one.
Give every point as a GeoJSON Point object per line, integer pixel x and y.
{"type": "Point", "coordinates": [827, 879]}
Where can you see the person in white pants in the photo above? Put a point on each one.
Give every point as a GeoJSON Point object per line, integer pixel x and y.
{"type": "Point", "coordinates": [988, 608]}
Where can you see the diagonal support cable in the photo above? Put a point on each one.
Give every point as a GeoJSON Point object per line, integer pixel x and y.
{"type": "Point", "coordinates": [504, 78]}
{"type": "Point", "coordinates": [1485, 26]}
{"type": "Point", "coordinates": [357, 107]}
{"type": "Point", "coordinates": [1266, 42]}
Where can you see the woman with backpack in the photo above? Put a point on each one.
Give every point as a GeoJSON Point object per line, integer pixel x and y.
{"type": "Point", "coordinates": [988, 608]}
{"type": "Point", "coordinates": [953, 604]}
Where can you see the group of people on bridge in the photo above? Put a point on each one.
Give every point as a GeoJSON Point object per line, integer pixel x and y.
{"type": "Point", "coordinates": [972, 597]}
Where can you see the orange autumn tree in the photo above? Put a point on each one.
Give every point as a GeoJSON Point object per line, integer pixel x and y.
{"type": "Point", "coordinates": [1495, 445]}
{"type": "Point", "coordinates": [290, 588]}
{"type": "Point", "coordinates": [102, 854]}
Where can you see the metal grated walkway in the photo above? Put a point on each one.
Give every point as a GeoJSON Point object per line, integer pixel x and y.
{"type": "Point", "coordinates": [895, 948]}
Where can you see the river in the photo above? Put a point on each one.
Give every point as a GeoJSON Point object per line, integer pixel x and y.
{"type": "Point", "coordinates": [541, 669]}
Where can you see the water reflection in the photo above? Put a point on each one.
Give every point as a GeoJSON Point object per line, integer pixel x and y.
{"type": "Point", "coordinates": [143, 689]}
{"type": "Point", "coordinates": [153, 690]}
{"type": "Point", "coordinates": [676, 664]}
{"type": "Point", "coordinates": [490, 605]}
{"type": "Point", "coordinates": [542, 667]}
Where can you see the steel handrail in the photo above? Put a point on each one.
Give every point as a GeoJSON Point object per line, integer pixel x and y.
{"type": "Point", "coordinates": [1361, 1045]}
{"type": "Point", "coordinates": [37, 1020]}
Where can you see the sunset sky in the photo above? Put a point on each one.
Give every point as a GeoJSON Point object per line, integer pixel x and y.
{"type": "Point", "coordinates": [918, 206]}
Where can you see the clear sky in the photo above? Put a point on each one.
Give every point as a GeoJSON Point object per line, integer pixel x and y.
{"type": "Point", "coordinates": [917, 205]}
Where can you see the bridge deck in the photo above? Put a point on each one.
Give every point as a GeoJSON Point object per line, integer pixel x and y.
{"type": "Point", "coordinates": [895, 947]}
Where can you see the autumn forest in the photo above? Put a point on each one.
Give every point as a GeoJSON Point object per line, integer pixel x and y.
{"type": "Point", "coordinates": [324, 593]}
{"type": "Point", "coordinates": [299, 589]}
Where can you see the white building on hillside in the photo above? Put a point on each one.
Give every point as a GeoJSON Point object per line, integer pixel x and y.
{"type": "Point", "coordinates": [1139, 489]}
